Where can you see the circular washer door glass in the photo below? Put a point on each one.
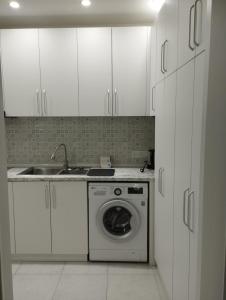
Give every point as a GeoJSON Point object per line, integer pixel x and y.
{"type": "Point", "coordinates": [117, 220]}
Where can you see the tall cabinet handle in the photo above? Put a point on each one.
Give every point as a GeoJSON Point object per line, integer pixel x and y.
{"type": "Point", "coordinates": [116, 101]}
{"type": "Point", "coordinates": [159, 181]}
{"type": "Point", "coordinates": [161, 67]}
{"type": "Point", "coordinates": [190, 24]}
{"type": "Point", "coordinates": [109, 110]}
{"type": "Point", "coordinates": [164, 56]}
{"type": "Point", "coordinates": [190, 211]}
{"type": "Point", "coordinates": [54, 197]}
{"type": "Point", "coordinates": [38, 102]}
{"type": "Point", "coordinates": [47, 199]}
{"type": "Point", "coordinates": [185, 207]}
{"type": "Point", "coordinates": [45, 103]}
{"type": "Point", "coordinates": [196, 20]}
{"type": "Point", "coordinates": [162, 182]}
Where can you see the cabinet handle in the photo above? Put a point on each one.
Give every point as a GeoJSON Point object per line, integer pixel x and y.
{"type": "Point", "coordinates": [54, 197]}
{"type": "Point", "coordinates": [196, 42]}
{"type": "Point", "coordinates": [164, 56]}
{"type": "Point", "coordinates": [190, 22]}
{"type": "Point", "coordinates": [47, 202]}
{"type": "Point", "coordinates": [116, 102]}
{"type": "Point", "coordinates": [185, 220]}
{"type": "Point", "coordinates": [38, 102]}
{"type": "Point", "coordinates": [109, 111]}
{"type": "Point", "coordinates": [190, 211]}
{"type": "Point", "coordinates": [159, 181]}
{"type": "Point", "coordinates": [162, 192]}
{"type": "Point", "coordinates": [153, 99]}
{"type": "Point", "coordinates": [162, 70]}
{"type": "Point", "coordinates": [45, 103]}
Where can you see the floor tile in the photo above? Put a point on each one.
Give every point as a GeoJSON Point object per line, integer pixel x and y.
{"type": "Point", "coordinates": [85, 268]}
{"type": "Point", "coordinates": [15, 267]}
{"type": "Point", "coordinates": [81, 287]}
{"type": "Point", "coordinates": [132, 287]}
{"type": "Point", "coordinates": [34, 287]}
{"type": "Point", "coordinates": [130, 269]}
{"type": "Point", "coordinates": [40, 268]}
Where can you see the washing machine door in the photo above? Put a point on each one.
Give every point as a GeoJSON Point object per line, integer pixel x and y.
{"type": "Point", "coordinates": [118, 220]}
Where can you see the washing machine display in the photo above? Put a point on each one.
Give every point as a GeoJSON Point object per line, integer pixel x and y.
{"type": "Point", "coordinates": [118, 219]}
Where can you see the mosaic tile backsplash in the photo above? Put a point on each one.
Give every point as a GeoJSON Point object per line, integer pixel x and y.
{"type": "Point", "coordinates": [32, 140]}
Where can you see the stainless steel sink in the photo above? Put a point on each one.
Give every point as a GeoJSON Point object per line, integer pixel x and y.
{"type": "Point", "coordinates": [41, 171]}
{"type": "Point", "coordinates": [74, 171]}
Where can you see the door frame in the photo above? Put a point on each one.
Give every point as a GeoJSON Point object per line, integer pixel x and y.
{"type": "Point", "coordinates": [6, 288]}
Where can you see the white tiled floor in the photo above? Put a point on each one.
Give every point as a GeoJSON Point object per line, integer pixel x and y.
{"type": "Point", "coordinates": [85, 281]}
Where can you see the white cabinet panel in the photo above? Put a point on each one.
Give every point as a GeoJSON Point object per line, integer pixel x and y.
{"type": "Point", "coordinates": [165, 126]}
{"type": "Point", "coordinates": [59, 74]}
{"type": "Point", "coordinates": [11, 217]}
{"type": "Point", "coordinates": [21, 73]}
{"type": "Point", "coordinates": [69, 217]}
{"type": "Point", "coordinates": [197, 141]}
{"type": "Point", "coordinates": [183, 143]}
{"type": "Point", "coordinates": [130, 70]}
{"type": "Point", "coordinates": [32, 218]}
{"type": "Point", "coordinates": [171, 47]}
{"type": "Point", "coordinates": [95, 71]}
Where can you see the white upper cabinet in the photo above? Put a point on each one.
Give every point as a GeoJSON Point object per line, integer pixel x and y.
{"type": "Point", "coordinates": [167, 39]}
{"type": "Point", "coordinates": [192, 24]}
{"type": "Point", "coordinates": [20, 72]}
{"type": "Point", "coordinates": [130, 82]}
{"type": "Point", "coordinates": [95, 71]}
{"type": "Point", "coordinates": [59, 76]}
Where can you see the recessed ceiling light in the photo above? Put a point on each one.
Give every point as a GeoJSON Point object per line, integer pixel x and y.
{"type": "Point", "coordinates": [14, 4]}
{"type": "Point", "coordinates": [156, 5]}
{"type": "Point", "coordinates": [86, 3]}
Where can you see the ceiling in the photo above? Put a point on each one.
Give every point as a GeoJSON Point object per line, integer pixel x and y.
{"type": "Point", "coordinates": [70, 12]}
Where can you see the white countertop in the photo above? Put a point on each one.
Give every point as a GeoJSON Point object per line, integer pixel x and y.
{"type": "Point", "coordinates": [121, 174]}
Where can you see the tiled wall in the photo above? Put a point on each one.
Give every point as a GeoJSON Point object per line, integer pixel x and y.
{"type": "Point", "coordinates": [32, 140]}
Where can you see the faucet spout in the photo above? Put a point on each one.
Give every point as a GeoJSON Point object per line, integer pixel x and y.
{"type": "Point", "coordinates": [53, 155]}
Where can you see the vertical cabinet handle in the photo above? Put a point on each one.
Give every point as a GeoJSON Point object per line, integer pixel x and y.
{"type": "Point", "coordinates": [116, 101]}
{"type": "Point", "coordinates": [153, 99]}
{"type": "Point", "coordinates": [159, 181]}
{"type": "Point", "coordinates": [185, 207]}
{"type": "Point", "coordinates": [162, 182]}
{"type": "Point", "coordinates": [45, 103]}
{"type": "Point", "coordinates": [190, 24]}
{"type": "Point", "coordinates": [164, 56]}
{"type": "Point", "coordinates": [109, 110]}
{"type": "Point", "coordinates": [191, 211]}
{"type": "Point", "coordinates": [47, 198]}
{"type": "Point", "coordinates": [161, 67]}
{"type": "Point", "coordinates": [38, 103]}
{"type": "Point", "coordinates": [54, 197]}
{"type": "Point", "coordinates": [196, 22]}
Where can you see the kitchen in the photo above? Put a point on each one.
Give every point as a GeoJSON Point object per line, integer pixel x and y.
{"type": "Point", "coordinates": [105, 125]}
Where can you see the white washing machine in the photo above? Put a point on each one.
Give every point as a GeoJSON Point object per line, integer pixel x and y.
{"type": "Point", "coordinates": [118, 221]}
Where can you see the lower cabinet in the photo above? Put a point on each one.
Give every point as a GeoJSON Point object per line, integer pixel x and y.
{"type": "Point", "coordinates": [11, 217]}
{"type": "Point", "coordinates": [50, 218]}
{"type": "Point", "coordinates": [69, 217]}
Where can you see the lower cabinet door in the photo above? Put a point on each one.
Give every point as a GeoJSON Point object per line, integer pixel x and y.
{"type": "Point", "coordinates": [69, 218]}
{"type": "Point", "coordinates": [32, 217]}
{"type": "Point", "coordinates": [11, 217]}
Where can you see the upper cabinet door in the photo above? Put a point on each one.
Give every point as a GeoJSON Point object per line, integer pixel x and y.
{"type": "Point", "coordinates": [59, 74]}
{"type": "Point", "coordinates": [20, 72]}
{"type": "Point", "coordinates": [130, 48]}
{"type": "Point", "coordinates": [161, 39]}
{"type": "Point", "coordinates": [170, 59]}
{"type": "Point", "coordinates": [95, 71]}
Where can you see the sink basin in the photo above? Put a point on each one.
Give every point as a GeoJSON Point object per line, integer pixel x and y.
{"type": "Point", "coordinates": [41, 171]}
{"type": "Point", "coordinates": [75, 171]}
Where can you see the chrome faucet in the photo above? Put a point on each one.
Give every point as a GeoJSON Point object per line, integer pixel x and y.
{"type": "Point", "coordinates": [53, 156]}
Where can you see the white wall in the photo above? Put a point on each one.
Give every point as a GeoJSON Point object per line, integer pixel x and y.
{"type": "Point", "coordinates": [214, 210]}
{"type": "Point", "coordinates": [5, 267]}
